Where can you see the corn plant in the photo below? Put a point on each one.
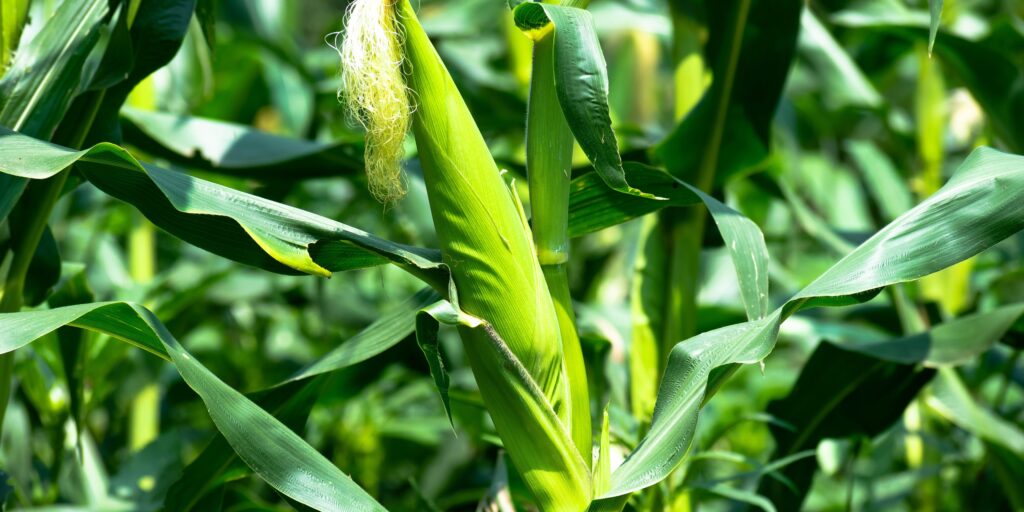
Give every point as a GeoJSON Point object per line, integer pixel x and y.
{"type": "Point", "coordinates": [575, 262]}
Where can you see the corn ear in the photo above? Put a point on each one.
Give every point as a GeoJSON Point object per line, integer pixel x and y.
{"type": "Point", "coordinates": [488, 248]}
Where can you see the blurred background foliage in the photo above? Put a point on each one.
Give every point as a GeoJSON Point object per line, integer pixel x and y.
{"type": "Point", "coordinates": [867, 126]}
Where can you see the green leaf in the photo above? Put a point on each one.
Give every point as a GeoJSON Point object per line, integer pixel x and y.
{"type": "Point", "coordinates": [839, 394]}
{"type": "Point", "coordinates": [843, 83]}
{"type": "Point", "coordinates": [13, 15]}
{"type": "Point", "coordinates": [235, 149]}
{"type": "Point", "coordinates": [36, 90]}
{"type": "Point", "coordinates": [289, 400]}
{"type": "Point", "coordinates": [594, 206]}
{"type": "Point", "coordinates": [888, 189]}
{"type": "Point", "coordinates": [985, 67]}
{"type": "Point", "coordinates": [581, 82]}
{"type": "Point", "coordinates": [751, 45]}
{"type": "Point", "coordinates": [935, 11]}
{"type": "Point", "coordinates": [977, 208]}
{"type": "Point", "coordinates": [239, 226]}
{"type": "Point", "coordinates": [158, 28]}
{"type": "Point", "coordinates": [279, 456]}
{"type": "Point", "coordinates": [44, 75]}
{"type": "Point", "coordinates": [741, 496]}
{"type": "Point", "coordinates": [428, 321]}
{"type": "Point", "coordinates": [953, 401]}
{"type": "Point", "coordinates": [954, 342]}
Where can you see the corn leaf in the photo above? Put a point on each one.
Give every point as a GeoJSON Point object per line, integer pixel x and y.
{"type": "Point", "coordinates": [279, 456]}
{"type": "Point", "coordinates": [541, 441]}
{"type": "Point", "coordinates": [289, 401]}
{"type": "Point", "coordinates": [860, 389]}
{"type": "Point", "coordinates": [985, 67]}
{"type": "Point", "coordinates": [953, 401]}
{"type": "Point", "coordinates": [428, 322]}
{"type": "Point", "coordinates": [239, 226]}
{"type": "Point", "coordinates": [935, 12]}
{"type": "Point", "coordinates": [844, 84]}
{"type": "Point", "coordinates": [581, 82]}
{"type": "Point", "coordinates": [887, 187]}
{"type": "Point", "coordinates": [974, 210]}
{"type": "Point", "coordinates": [594, 206]}
{"type": "Point", "coordinates": [751, 45]}
{"type": "Point", "coordinates": [954, 342]}
{"type": "Point", "coordinates": [34, 97]}
{"type": "Point", "coordinates": [517, 357]}
{"type": "Point", "coordinates": [235, 149]}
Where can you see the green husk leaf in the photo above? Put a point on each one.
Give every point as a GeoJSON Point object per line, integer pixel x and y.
{"type": "Point", "coordinates": [516, 358]}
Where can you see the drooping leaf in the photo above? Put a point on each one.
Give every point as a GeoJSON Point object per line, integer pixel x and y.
{"type": "Point", "coordinates": [239, 226]}
{"type": "Point", "coordinates": [974, 210]}
{"type": "Point", "coordinates": [594, 206]}
{"type": "Point", "coordinates": [428, 322]}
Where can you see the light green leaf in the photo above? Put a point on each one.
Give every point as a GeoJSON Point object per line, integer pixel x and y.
{"type": "Point", "coordinates": [935, 11]}
{"type": "Point", "coordinates": [13, 15]}
{"type": "Point", "coordinates": [844, 84]}
{"type": "Point", "coordinates": [977, 208]}
{"type": "Point", "coordinates": [293, 394]}
{"type": "Point", "coordinates": [953, 342]}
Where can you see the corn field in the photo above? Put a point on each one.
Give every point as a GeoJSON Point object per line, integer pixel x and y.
{"type": "Point", "coordinates": [496, 256]}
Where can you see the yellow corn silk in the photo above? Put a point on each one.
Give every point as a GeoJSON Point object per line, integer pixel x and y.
{"type": "Point", "coordinates": [486, 243]}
